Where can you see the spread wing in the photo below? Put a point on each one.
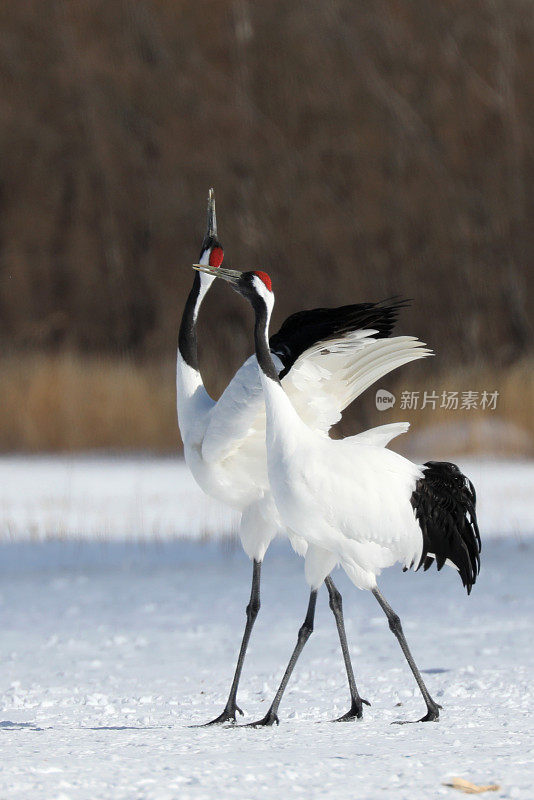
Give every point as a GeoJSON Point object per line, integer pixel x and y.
{"type": "Point", "coordinates": [325, 359]}
{"type": "Point", "coordinates": [303, 331]}
{"type": "Point", "coordinates": [329, 376]}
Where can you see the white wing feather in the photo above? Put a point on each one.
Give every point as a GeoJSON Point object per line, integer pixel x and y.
{"type": "Point", "coordinates": [322, 382]}
{"type": "Point", "coordinates": [325, 380]}
{"type": "Point", "coordinates": [382, 435]}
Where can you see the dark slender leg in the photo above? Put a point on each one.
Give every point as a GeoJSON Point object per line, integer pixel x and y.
{"type": "Point", "coordinates": [228, 715]}
{"type": "Point", "coordinates": [336, 604]}
{"type": "Point", "coordinates": [304, 634]}
{"type": "Point", "coordinates": [395, 625]}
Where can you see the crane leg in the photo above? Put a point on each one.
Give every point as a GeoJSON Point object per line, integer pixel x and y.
{"type": "Point", "coordinates": [432, 707]}
{"type": "Point", "coordinates": [336, 604]}
{"type": "Point", "coordinates": [304, 634]}
{"type": "Point", "coordinates": [229, 712]}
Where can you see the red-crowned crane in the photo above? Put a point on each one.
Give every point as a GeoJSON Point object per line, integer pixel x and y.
{"type": "Point", "coordinates": [355, 502]}
{"type": "Point", "coordinates": [325, 358]}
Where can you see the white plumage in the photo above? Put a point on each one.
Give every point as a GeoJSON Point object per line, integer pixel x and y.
{"type": "Point", "coordinates": [224, 440]}
{"type": "Point", "coordinates": [351, 500]}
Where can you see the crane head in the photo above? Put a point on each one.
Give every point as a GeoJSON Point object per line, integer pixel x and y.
{"type": "Point", "coordinates": [251, 285]}
{"type": "Point", "coordinates": [211, 252]}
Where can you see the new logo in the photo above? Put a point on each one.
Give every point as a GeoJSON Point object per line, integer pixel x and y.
{"type": "Point", "coordinates": [384, 400]}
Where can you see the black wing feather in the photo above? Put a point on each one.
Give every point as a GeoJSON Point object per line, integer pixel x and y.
{"type": "Point", "coordinates": [305, 329]}
{"type": "Point", "coordinates": [444, 501]}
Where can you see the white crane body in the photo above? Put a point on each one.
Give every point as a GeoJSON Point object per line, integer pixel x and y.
{"type": "Point", "coordinates": [353, 501]}
{"type": "Point", "coordinates": [346, 496]}
{"type": "Point", "coordinates": [224, 441]}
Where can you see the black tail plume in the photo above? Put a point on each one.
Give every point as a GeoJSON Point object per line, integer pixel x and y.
{"type": "Point", "coordinates": [444, 501]}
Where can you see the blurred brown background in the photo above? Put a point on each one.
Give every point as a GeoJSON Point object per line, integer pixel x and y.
{"type": "Point", "coordinates": [357, 150]}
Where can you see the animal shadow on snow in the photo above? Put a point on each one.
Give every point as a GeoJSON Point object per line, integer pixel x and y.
{"type": "Point", "coordinates": [435, 671]}
{"type": "Point", "coordinates": [8, 725]}
{"type": "Point", "coordinates": [126, 727]}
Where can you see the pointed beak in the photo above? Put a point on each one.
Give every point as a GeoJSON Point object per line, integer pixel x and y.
{"type": "Point", "coordinates": [230, 275]}
{"type": "Point", "coordinates": [211, 230]}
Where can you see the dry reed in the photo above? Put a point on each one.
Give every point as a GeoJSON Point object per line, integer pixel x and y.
{"type": "Point", "coordinates": [68, 402]}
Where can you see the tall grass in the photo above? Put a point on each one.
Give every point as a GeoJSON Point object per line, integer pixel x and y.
{"type": "Point", "coordinates": [69, 402]}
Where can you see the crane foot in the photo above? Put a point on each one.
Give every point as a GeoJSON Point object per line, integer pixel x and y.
{"type": "Point", "coordinates": [432, 715]}
{"type": "Point", "coordinates": [355, 711]}
{"type": "Point", "coordinates": [228, 715]}
{"type": "Point", "coordinates": [269, 719]}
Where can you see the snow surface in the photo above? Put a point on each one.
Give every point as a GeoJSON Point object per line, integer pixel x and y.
{"type": "Point", "coordinates": [109, 650]}
{"type": "Point", "coordinates": [105, 498]}
{"type": "Point", "coordinates": [140, 499]}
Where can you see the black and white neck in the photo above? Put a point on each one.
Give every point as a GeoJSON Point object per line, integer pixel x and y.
{"type": "Point", "coordinates": [187, 337]}
{"type": "Point", "coordinates": [263, 306]}
{"type": "Point", "coordinates": [283, 422]}
{"type": "Point", "coordinates": [210, 255]}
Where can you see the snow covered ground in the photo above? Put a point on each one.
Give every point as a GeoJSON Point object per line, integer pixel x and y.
{"type": "Point", "coordinates": [146, 499]}
{"type": "Point", "coordinates": [110, 649]}
{"type": "Point", "coordinates": [88, 497]}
